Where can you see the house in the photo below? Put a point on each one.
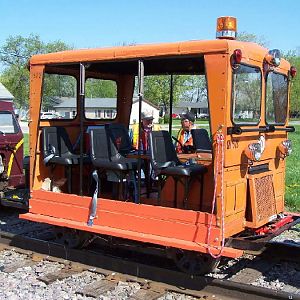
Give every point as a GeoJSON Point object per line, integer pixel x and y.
{"type": "Point", "coordinates": [198, 108]}
{"type": "Point", "coordinates": [95, 108]}
{"type": "Point", "coordinates": [147, 107]}
{"type": "Point", "coordinates": [103, 108]}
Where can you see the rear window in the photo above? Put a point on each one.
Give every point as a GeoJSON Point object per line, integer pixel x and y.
{"type": "Point", "coordinates": [276, 98]}
{"type": "Point", "coordinates": [100, 99]}
{"type": "Point", "coordinates": [8, 123]}
{"type": "Point", "coordinates": [59, 97]}
{"type": "Point", "coordinates": [246, 95]}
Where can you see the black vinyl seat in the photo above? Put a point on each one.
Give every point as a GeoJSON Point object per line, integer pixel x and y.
{"type": "Point", "coordinates": [124, 146]}
{"type": "Point", "coordinates": [106, 157]}
{"type": "Point", "coordinates": [165, 162]}
{"type": "Point", "coordinates": [58, 150]}
{"type": "Point", "coordinates": [201, 140]}
{"type": "Point", "coordinates": [121, 138]}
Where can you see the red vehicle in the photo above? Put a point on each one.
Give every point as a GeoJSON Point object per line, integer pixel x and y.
{"type": "Point", "coordinates": [12, 178]}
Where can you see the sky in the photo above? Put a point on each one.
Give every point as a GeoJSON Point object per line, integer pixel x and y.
{"type": "Point", "coordinates": [92, 23]}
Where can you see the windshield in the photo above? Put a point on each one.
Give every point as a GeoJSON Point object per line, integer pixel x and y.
{"type": "Point", "coordinates": [246, 95]}
{"type": "Point", "coordinates": [276, 98]}
{"type": "Point", "coordinates": [8, 123]}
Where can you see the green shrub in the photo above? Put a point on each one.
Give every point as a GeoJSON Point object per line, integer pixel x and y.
{"type": "Point", "coordinates": [166, 119]}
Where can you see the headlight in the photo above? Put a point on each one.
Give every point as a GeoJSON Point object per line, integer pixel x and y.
{"type": "Point", "coordinates": [254, 151]}
{"type": "Point", "coordinates": [285, 148]}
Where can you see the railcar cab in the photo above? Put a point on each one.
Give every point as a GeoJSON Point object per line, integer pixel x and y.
{"type": "Point", "coordinates": [240, 182]}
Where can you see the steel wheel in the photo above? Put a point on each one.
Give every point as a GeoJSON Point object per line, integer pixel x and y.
{"type": "Point", "coordinates": [71, 238]}
{"type": "Point", "coordinates": [194, 263]}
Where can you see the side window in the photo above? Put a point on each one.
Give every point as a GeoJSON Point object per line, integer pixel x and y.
{"type": "Point", "coordinates": [8, 123]}
{"type": "Point", "coordinates": [189, 94]}
{"type": "Point", "coordinates": [246, 95]}
{"type": "Point", "coordinates": [276, 98]}
{"type": "Point", "coordinates": [59, 97]}
{"type": "Point", "coordinates": [100, 99]}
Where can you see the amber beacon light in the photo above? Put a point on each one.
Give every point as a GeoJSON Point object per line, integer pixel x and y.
{"type": "Point", "coordinates": [226, 28]}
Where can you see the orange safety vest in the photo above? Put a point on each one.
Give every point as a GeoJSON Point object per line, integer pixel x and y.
{"type": "Point", "coordinates": [135, 135]}
{"type": "Point", "coordinates": [181, 139]}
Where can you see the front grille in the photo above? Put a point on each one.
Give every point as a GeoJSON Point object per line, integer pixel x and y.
{"type": "Point", "coordinates": [265, 197]}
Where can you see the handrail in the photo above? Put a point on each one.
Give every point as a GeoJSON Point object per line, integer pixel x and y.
{"type": "Point", "coordinates": [268, 128]}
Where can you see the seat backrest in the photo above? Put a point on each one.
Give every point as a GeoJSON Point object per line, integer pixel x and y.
{"type": "Point", "coordinates": [162, 149]}
{"type": "Point", "coordinates": [121, 137]}
{"type": "Point", "coordinates": [201, 140]}
{"type": "Point", "coordinates": [101, 142]}
{"type": "Point", "coordinates": [56, 141]}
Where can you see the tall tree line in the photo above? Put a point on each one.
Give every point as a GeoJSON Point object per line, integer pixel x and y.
{"type": "Point", "coordinates": [15, 55]}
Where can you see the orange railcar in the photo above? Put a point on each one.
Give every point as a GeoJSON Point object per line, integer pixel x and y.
{"type": "Point", "coordinates": [247, 93]}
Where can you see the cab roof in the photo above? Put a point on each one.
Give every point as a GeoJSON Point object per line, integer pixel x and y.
{"type": "Point", "coordinates": [249, 50]}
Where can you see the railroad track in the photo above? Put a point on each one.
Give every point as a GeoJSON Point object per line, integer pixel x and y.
{"type": "Point", "coordinates": [154, 282]}
{"type": "Point", "coordinates": [150, 281]}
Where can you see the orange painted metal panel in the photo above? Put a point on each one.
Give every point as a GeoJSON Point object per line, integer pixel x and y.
{"type": "Point", "coordinates": [129, 52]}
{"type": "Point", "coordinates": [36, 79]}
{"type": "Point", "coordinates": [130, 222]}
{"type": "Point", "coordinates": [145, 219]}
{"type": "Point", "coordinates": [147, 238]}
{"type": "Point", "coordinates": [252, 50]}
{"type": "Point", "coordinates": [149, 211]}
{"type": "Point", "coordinates": [59, 210]}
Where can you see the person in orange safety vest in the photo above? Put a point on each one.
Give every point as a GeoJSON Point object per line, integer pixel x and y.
{"type": "Point", "coordinates": [185, 133]}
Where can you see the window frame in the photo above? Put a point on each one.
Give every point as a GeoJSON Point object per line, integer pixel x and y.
{"type": "Point", "coordinates": [76, 98]}
{"type": "Point", "coordinates": [15, 122]}
{"type": "Point", "coordinates": [287, 98]}
{"type": "Point", "coordinates": [232, 97]}
{"type": "Point", "coordinates": [96, 109]}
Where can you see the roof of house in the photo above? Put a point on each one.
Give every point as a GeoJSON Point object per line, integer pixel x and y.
{"type": "Point", "coordinates": [89, 103]}
{"type": "Point", "coordinates": [4, 93]}
{"type": "Point", "coordinates": [67, 102]}
{"type": "Point", "coordinates": [185, 104]}
{"type": "Point", "coordinates": [136, 99]}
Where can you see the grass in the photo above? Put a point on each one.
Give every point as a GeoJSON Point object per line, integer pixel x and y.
{"type": "Point", "coordinates": [292, 180]}
{"type": "Point", "coordinates": [292, 193]}
{"type": "Point", "coordinates": [26, 144]}
{"type": "Point", "coordinates": [177, 122]}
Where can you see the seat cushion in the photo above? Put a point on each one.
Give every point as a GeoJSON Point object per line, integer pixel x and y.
{"type": "Point", "coordinates": [183, 170]}
{"type": "Point", "coordinates": [120, 164]}
{"type": "Point", "coordinates": [69, 159]}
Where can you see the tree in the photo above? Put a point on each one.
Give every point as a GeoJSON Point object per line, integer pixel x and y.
{"type": "Point", "coordinates": [14, 55]}
{"type": "Point", "coordinates": [294, 60]}
{"type": "Point", "coordinates": [185, 88]}
{"type": "Point", "coordinates": [97, 88]}
{"type": "Point", "coordinates": [250, 37]}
